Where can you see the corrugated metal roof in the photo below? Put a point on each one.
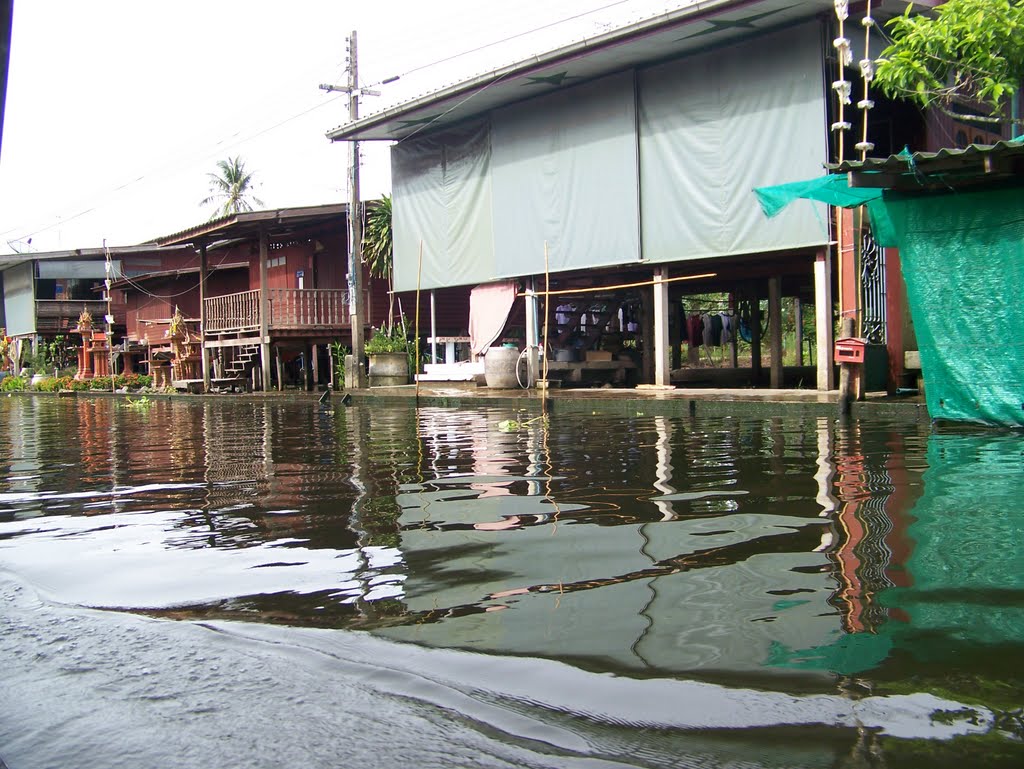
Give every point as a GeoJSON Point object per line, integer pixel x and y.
{"type": "Point", "coordinates": [9, 260]}
{"type": "Point", "coordinates": [278, 221]}
{"type": "Point", "coordinates": [943, 169]}
{"type": "Point", "coordinates": [694, 27]}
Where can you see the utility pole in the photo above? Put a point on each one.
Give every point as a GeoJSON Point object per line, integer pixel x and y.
{"type": "Point", "coordinates": [354, 374]}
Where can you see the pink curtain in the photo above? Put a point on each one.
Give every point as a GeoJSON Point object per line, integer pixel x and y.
{"type": "Point", "coordinates": [489, 306]}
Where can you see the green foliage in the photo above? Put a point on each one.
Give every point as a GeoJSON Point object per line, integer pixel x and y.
{"type": "Point", "coordinates": [391, 337]}
{"type": "Point", "coordinates": [338, 353]}
{"type": "Point", "coordinates": [58, 353]}
{"type": "Point", "coordinates": [141, 404]}
{"type": "Point", "coordinates": [970, 52]}
{"type": "Point", "coordinates": [231, 188]}
{"type": "Point", "coordinates": [53, 384]}
{"type": "Point", "coordinates": [13, 384]}
{"type": "Point", "coordinates": [377, 241]}
{"type": "Point", "coordinates": [121, 382]}
{"type": "Point", "coordinates": [515, 425]}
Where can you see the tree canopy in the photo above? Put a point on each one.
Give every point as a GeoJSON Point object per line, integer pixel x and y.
{"type": "Point", "coordinates": [966, 58]}
{"type": "Point", "coordinates": [231, 188]}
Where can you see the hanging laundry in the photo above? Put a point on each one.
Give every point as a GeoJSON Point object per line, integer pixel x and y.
{"type": "Point", "coordinates": [694, 331]}
{"type": "Point", "coordinates": [705, 320]}
{"type": "Point", "coordinates": [727, 329]}
{"type": "Point", "coordinates": [716, 330]}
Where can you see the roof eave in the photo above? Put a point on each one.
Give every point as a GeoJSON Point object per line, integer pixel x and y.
{"type": "Point", "coordinates": [271, 216]}
{"type": "Point", "coordinates": [358, 129]}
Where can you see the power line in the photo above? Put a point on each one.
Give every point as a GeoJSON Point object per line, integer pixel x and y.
{"type": "Point", "coordinates": [494, 43]}
{"type": "Point", "coordinates": [218, 146]}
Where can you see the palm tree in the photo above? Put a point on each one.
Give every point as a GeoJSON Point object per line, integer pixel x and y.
{"type": "Point", "coordinates": [231, 189]}
{"type": "Point", "coordinates": [378, 248]}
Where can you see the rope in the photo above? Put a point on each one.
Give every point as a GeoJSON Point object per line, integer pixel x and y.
{"type": "Point", "coordinates": [640, 284]}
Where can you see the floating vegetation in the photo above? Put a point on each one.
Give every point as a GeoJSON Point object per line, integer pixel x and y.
{"type": "Point", "coordinates": [514, 425]}
{"type": "Point", "coordinates": [139, 404]}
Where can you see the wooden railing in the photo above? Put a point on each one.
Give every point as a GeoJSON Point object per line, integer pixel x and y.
{"type": "Point", "coordinates": [308, 307]}
{"type": "Point", "coordinates": [290, 308]}
{"type": "Point", "coordinates": [62, 314]}
{"type": "Point", "coordinates": [233, 312]}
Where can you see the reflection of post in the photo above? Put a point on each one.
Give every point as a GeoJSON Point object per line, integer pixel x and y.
{"type": "Point", "coordinates": [826, 469]}
{"type": "Point", "coordinates": [663, 467]}
{"type": "Point", "coordinates": [358, 460]}
{"type": "Point", "coordinates": [850, 485]}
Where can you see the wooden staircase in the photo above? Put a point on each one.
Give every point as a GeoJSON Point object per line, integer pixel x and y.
{"type": "Point", "coordinates": [245, 359]}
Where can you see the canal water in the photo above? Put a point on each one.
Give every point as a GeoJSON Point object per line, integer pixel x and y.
{"type": "Point", "coordinates": [242, 583]}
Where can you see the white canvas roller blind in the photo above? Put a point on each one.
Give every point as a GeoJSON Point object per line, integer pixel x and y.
{"type": "Point", "coordinates": [441, 196]}
{"type": "Point", "coordinates": [714, 126]}
{"type": "Point", "coordinates": [565, 172]}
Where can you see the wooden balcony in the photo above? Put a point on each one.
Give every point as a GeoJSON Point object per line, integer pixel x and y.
{"type": "Point", "coordinates": [292, 309]}
{"type": "Point", "coordinates": [233, 312]}
{"type": "Point", "coordinates": [60, 315]}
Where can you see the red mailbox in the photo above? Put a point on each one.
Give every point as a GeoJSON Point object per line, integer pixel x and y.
{"type": "Point", "coordinates": [850, 349]}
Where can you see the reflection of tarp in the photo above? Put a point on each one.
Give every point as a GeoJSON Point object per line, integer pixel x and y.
{"type": "Point", "coordinates": [687, 595]}
{"type": "Point", "coordinates": [850, 654]}
{"type": "Point", "coordinates": [963, 263]}
{"type": "Point", "coordinates": [966, 571]}
{"type": "Point", "coordinates": [967, 564]}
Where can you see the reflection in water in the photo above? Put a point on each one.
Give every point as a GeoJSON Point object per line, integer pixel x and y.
{"type": "Point", "coordinates": [794, 555]}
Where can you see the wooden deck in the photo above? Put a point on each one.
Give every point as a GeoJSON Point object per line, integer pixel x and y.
{"type": "Point", "coordinates": [289, 309]}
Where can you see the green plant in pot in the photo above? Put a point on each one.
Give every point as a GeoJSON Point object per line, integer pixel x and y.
{"type": "Point", "coordinates": [389, 351]}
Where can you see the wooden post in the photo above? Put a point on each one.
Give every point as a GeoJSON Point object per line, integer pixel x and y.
{"type": "Point", "coordinates": [532, 336]}
{"type": "Point", "coordinates": [734, 343]}
{"type": "Point", "coordinates": [204, 353]}
{"type": "Point", "coordinates": [798, 320]}
{"type": "Point", "coordinates": [775, 329]}
{"type": "Point", "coordinates": [846, 380]}
{"type": "Point", "coordinates": [662, 371]}
{"type": "Point", "coordinates": [280, 374]}
{"type": "Point", "coordinates": [675, 335]}
{"type": "Point", "coordinates": [433, 327]}
{"type": "Point", "coordinates": [264, 310]}
{"type": "Point", "coordinates": [314, 356]}
{"type": "Point", "coordinates": [755, 338]}
{"type": "Point", "coordinates": [823, 318]}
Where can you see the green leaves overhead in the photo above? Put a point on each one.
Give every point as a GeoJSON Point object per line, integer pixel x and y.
{"type": "Point", "coordinates": [967, 58]}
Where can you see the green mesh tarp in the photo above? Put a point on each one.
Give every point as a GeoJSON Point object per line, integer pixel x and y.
{"type": "Point", "coordinates": [963, 263]}
{"type": "Point", "coordinates": [834, 190]}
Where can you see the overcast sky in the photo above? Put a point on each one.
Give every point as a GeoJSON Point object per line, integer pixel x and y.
{"type": "Point", "coordinates": [118, 109]}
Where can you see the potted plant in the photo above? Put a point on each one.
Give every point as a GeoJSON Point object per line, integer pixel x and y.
{"type": "Point", "coordinates": [388, 350]}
